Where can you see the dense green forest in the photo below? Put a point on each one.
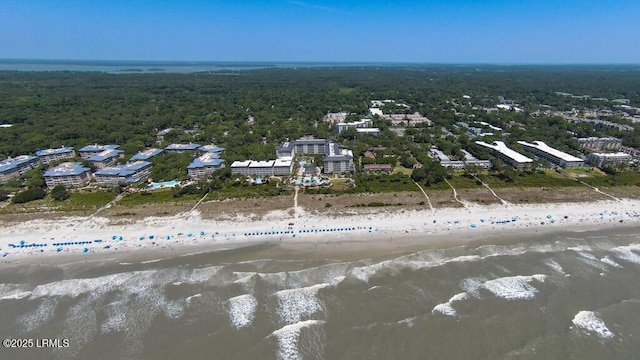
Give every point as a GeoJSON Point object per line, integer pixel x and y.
{"type": "Point", "coordinates": [250, 112]}
{"type": "Point", "coordinates": [50, 109]}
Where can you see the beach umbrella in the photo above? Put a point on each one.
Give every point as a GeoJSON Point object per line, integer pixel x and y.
{"type": "Point", "coordinates": [151, 236]}
{"type": "Point", "coordinates": [59, 249]}
{"type": "Point", "coordinates": [168, 237]}
{"type": "Point", "coordinates": [473, 225]}
{"type": "Point", "coordinates": [84, 250]}
{"type": "Point", "coordinates": [114, 237]}
{"type": "Point", "coordinates": [120, 238]}
{"type": "Point", "coordinates": [189, 234]}
{"type": "Point", "coordinates": [201, 233]}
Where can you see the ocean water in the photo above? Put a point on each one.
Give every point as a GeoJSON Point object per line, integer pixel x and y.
{"type": "Point", "coordinates": [113, 66]}
{"type": "Point", "coordinates": [562, 296]}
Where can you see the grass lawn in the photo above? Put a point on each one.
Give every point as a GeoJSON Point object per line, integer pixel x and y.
{"type": "Point", "coordinates": [75, 202]}
{"type": "Point", "coordinates": [463, 182]}
{"type": "Point", "coordinates": [401, 169]}
{"type": "Point", "coordinates": [158, 196]}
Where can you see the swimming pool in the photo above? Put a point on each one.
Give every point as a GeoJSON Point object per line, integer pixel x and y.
{"type": "Point", "coordinates": [165, 184]}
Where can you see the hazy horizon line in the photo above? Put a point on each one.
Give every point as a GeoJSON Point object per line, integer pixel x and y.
{"type": "Point", "coordinates": [376, 62]}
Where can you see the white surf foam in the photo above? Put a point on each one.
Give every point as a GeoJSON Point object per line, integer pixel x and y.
{"type": "Point", "coordinates": [472, 286]}
{"type": "Point", "coordinates": [514, 287]}
{"type": "Point", "coordinates": [32, 321]}
{"type": "Point", "coordinates": [242, 310]}
{"type": "Point", "coordinates": [246, 280]}
{"type": "Point", "coordinates": [626, 253]}
{"type": "Point", "coordinates": [609, 261]}
{"type": "Point", "coordinates": [588, 321]}
{"type": "Point", "coordinates": [306, 277]}
{"type": "Point", "coordinates": [447, 308]}
{"type": "Point", "coordinates": [294, 304]}
{"type": "Point", "coordinates": [410, 322]}
{"type": "Point", "coordinates": [201, 275]}
{"type": "Point", "coordinates": [17, 295]}
{"type": "Point", "coordinates": [288, 337]}
{"type": "Point", "coordinates": [190, 298]}
{"type": "Point", "coordinates": [555, 266]}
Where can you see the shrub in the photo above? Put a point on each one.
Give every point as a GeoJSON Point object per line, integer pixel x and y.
{"type": "Point", "coordinates": [28, 195]}
{"type": "Point", "coordinates": [59, 193]}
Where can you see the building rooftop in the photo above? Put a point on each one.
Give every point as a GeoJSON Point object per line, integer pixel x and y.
{"type": "Point", "coordinates": [98, 148]}
{"type": "Point", "coordinates": [164, 132]}
{"type": "Point", "coordinates": [540, 145]}
{"type": "Point", "coordinates": [211, 148]}
{"type": "Point", "coordinates": [440, 155]}
{"type": "Point", "coordinates": [123, 170]}
{"type": "Point", "coordinates": [208, 159]}
{"type": "Point", "coordinates": [146, 154]}
{"type": "Point", "coordinates": [239, 164]}
{"type": "Point", "coordinates": [502, 148]}
{"type": "Point", "coordinates": [182, 147]}
{"type": "Point", "coordinates": [66, 169]}
{"type": "Point", "coordinates": [286, 161]}
{"type": "Point", "coordinates": [13, 163]}
{"type": "Point", "coordinates": [60, 150]}
{"type": "Point", "coordinates": [310, 141]}
{"type": "Point", "coordinates": [613, 155]}
{"type": "Point", "coordinates": [105, 154]}
{"type": "Point", "coordinates": [261, 163]}
{"type": "Point", "coordinates": [368, 130]}
{"type": "Point", "coordinates": [335, 153]}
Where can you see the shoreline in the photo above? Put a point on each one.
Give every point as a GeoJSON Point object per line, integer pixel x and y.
{"type": "Point", "coordinates": [354, 235]}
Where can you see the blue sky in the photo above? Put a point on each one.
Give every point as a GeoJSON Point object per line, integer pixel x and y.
{"type": "Point", "coordinates": [495, 31]}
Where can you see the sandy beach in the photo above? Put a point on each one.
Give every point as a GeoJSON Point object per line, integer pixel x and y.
{"type": "Point", "coordinates": [98, 237]}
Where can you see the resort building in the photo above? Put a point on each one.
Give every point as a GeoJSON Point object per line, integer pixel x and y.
{"type": "Point", "coordinates": [555, 156]}
{"type": "Point", "coordinates": [469, 159]}
{"type": "Point", "coordinates": [69, 174]}
{"type": "Point", "coordinates": [369, 131]}
{"type": "Point", "coordinates": [203, 166]}
{"type": "Point", "coordinates": [609, 159]}
{"type": "Point", "coordinates": [162, 133]}
{"type": "Point", "coordinates": [211, 149]}
{"type": "Point", "coordinates": [598, 143]}
{"type": "Point", "coordinates": [286, 149]}
{"type": "Point", "coordinates": [123, 174]}
{"type": "Point", "coordinates": [599, 124]}
{"type": "Point", "coordinates": [362, 123]}
{"type": "Point", "coordinates": [445, 160]}
{"type": "Point", "coordinates": [146, 154]}
{"type": "Point", "coordinates": [105, 158]}
{"type": "Point", "coordinates": [507, 154]}
{"type": "Point", "coordinates": [261, 168]}
{"type": "Point", "coordinates": [335, 118]}
{"type": "Point", "coordinates": [240, 167]}
{"type": "Point", "coordinates": [90, 150]}
{"type": "Point", "coordinates": [337, 160]}
{"type": "Point", "coordinates": [180, 148]}
{"type": "Point", "coordinates": [386, 168]}
{"type": "Point", "coordinates": [50, 155]}
{"type": "Point", "coordinates": [12, 168]}
{"type": "Point", "coordinates": [301, 146]}
{"type": "Point", "coordinates": [283, 166]}
{"type": "Point", "coordinates": [310, 146]}
{"type": "Point", "coordinates": [280, 166]}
